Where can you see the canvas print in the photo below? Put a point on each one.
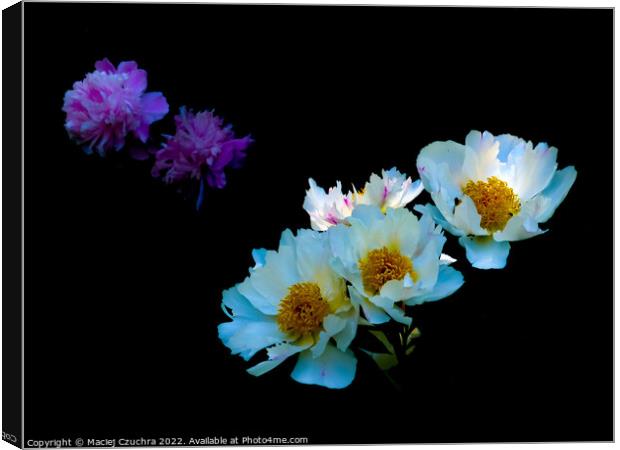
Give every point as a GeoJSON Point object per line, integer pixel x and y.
{"type": "Point", "coordinates": [305, 225]}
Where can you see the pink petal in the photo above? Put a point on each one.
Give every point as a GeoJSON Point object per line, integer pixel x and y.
{"type": "Point", "coordinates": [142, 132]}
{"type": "Point", "coordinates": [105, 66]}
{"type": "Point", "coordinates": [127, 66]}
{"type": "Point", "coordinates": [137, 80]}
{"type": "Point", "coordinates": [154, 106]}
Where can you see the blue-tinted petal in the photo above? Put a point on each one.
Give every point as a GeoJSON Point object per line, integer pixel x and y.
{"type": "Point", "coordinates": [333, 369]}
{"type": "Point", "coordinates": [485, 252]}
{"type": "Point", "coordinates": [556, 192]}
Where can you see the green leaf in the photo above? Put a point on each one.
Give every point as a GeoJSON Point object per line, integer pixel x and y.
{"type": "Point", "coordinates": [415, 333]}
{"type": "Point", "coordinates": [385, 361]}
{"type": "Point", "coordinates": [384, 340]}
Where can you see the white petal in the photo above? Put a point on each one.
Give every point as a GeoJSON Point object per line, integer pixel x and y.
{"type": "Point", "coordinates": [345, 337]}
{"type": "Point", "coordinates": [403, 229]}
{"type": "Point", "coordinates": [466, 217]}
{"type": "Point", "coordinates": [396, 291]}
{"type": "Point", "coordinates": [440, 165]}
{"type": "Point", "coordinates": [390, 307]}
{"type": "Point", "coordinates": [426, 265]}
{"type": "Point", "coordinates": [555, 192]}
{"type": "Point", "coordinates": [341, 246]}
{"type": "Point", "coordinates": [258, 254]}
{"type": "Point", "coordinates": [312, 252]}
{"type": "Point", "coordinates": [480, 160]}
{"type": "Point", "coordinates": [266, 305]}
{"type": "Point", "coordinates": [240, 306]}
{"type": "Point", "coordinates": [287, 238]}
{"type": "Point", "coordinates": [366, 214]}
{"type": "Point", "coordinates": [446, 259]}
{"type": "Point", "coordinates": [438, 218]}
{"type": "Point", "coordinates": [519, 227]}
{"type": "Point", "coordinates": [373, 313]}
{"type": "Point", "coordinates": [411, 193]}
{"type": "Point", "coordinates": [507, 144]}
{"type": "Point", "coordinates": [277, 355]}
{"type": "Point", "coordinates": [485, 252]}
{"type": "Point", "coordinates": [534, 170]}
{"type": "Point", "coordinates": [279, 273]}
{"type": "Point", "coordinates": [333, 369]}
{"type": "Point", "coordinates": [246, 337]}
{"type": "Point", "coordinates": [332, 324]}
{"type": "Point", "coordinates": [448, 281]}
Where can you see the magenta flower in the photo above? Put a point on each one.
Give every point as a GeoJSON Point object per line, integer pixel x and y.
{"type": "Point", "coordinates": [109, 104]}
{"type": "Point", "coordinates": [201, 149]}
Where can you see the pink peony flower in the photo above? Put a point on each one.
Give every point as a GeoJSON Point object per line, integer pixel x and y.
{"type": "Point", "coordinates": [109, 104]}
{"type": "Point", "coordinates": [201, 149]}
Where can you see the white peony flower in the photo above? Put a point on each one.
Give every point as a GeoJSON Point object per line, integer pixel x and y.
{"type": "Point", "coordinates": [293, 303]}
{"type": "Point", "coordinates": [327, 209]}
{"type": "Point", "coordinates": [391, 258]}
{"type": "Point", "coordinates": [391, 190]}
{"type": "Point", "coordinates": [492, 190]}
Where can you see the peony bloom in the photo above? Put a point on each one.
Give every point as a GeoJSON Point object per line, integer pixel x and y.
{"type": "Point", "coordinates": [293, 303]}
{"type": "Point", "coordinates": [391, 190]}
{"type": "Point", "coordinates": [492, 190]}
{"type": "Point", "coordinates": [201, 149]}
{"type": "Point", "coordinates": [109, 104]}
{"type": "Point", "coordinates": [327, 209]}
{"type": "Point", "coordinates": [392, 260]}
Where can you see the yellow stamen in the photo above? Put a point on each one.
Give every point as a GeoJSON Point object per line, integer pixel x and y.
{"type": "Point", "coordinates": [383, 265]}
{"type": "Point", "coordinates": [495, 201]}
{"type": "Point", "coordinates": [302, 310]}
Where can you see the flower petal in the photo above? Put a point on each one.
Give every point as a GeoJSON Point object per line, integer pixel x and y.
{"type": "Point", "coordinates": [265, 304]}
{"type": "Point", "coordinates": [277, 355]}
{"type": "Point", "coordinates": [555, 192]}
{"type": "Point", "coordinates": [373, 314]}
{"type": "Point", "coordinates": [485, 252]}
{"type": "Point", "coordinates": [332, 324]}
{"type": "Point", "coordinates": [439, 165]}
{"type": "Point", "coordinates": [466, 217]}
{"type": "Point", "coordinates": [246, 337]}
{"type": "Point", "coordinates": [154, 106]}
{"type": "Point", "coordinates": [333, 369]}
{"type": "Point", "coordinates": [127, 66]}
{"type": "Point", "coordinates": [136, 80]}
{"type": "Point", "coordinates": [519, 227]}
{"type": "Point", "coordinates": [434, 212]}
{"type": "Point", "coordinates": [105, 66]}
{"type": "Point", "coordinates": [240, 306]}
{"type": "Point", "coordinates": [390, 307]}
{"type": "Point", "coordinates": [534, 170]}
{"type": "Point", "coordinates": [449, 281]}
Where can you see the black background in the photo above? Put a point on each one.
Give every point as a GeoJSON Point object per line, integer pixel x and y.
{"type": "Point", "coordinates": [124, 278]}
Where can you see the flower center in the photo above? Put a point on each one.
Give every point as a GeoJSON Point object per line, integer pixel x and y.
{"type": "Point", "coordinates": [495, 201]}
{"type": "Point", "coordinates": [382, 265]}
{"type": "Point", "coordinates": [302, 310]}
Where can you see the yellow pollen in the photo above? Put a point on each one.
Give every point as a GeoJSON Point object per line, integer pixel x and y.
{"type": "Point", "coordinates": [302, 310]}
{"type": "Point", "coordinates": [495, 201]}
{"type": "Point", "coordinates": [382, 265]}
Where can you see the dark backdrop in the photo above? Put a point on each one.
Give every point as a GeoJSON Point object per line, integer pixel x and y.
{"type": "Point", "coordinates": [124, 278]}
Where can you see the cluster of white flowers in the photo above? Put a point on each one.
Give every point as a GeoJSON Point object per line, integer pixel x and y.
{"type": "Point", "coordinates": [368, 257]}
